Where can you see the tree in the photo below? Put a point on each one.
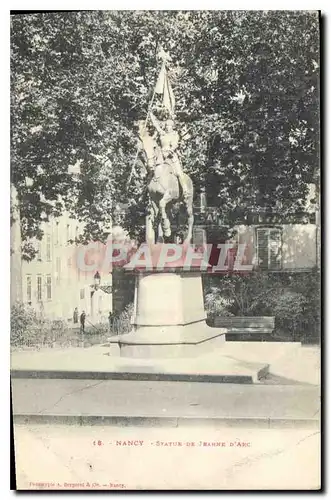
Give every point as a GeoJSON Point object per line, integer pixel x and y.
{"type": "Point", "coordinates": [292, 298]}
{"type": "Point", "coordinates": [246, 86]}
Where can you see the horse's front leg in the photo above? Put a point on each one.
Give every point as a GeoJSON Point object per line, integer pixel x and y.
{"type": "Point", "coordinates": [150, 222]}
{"type": "Point", "coordinates": [159, 233]}
{"type": "Point", "coordinates": [165, 222]}
{"type": "Point", "coordinates": [190, 219]}
{"type": "Point", "coordinates": [157, 224]}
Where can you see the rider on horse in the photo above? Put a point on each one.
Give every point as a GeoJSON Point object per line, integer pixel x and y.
{"type": "Point", "coordinates": [169, 139]}
{"type": "Point", "coordinates": [162, 162]}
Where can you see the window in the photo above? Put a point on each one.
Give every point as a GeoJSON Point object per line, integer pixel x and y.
{"type": "Point", "coordinates": [199, 236]}
{"type": "Point", "coordinates": [68, 233]}
{"type": "Point", "coordinates": [58, 269]}
{"type": "Point", "coordinates": [39, 289]}
{"type": "Point", "coordinates": [82, 293]}
{"type": "Point", "coordinates": [29, 288]}
{"type": "Point", "coordinates": [203, 201]}
{"type": "Point", "coordinates": [269, 246]}
{"type": "Point", "coordinates": [48, 248]}
{"type": "Point", "coordinates": [49, 287]}
{"type": "Point", "coordinates": [232, 252]}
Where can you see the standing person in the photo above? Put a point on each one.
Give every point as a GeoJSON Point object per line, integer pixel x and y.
{"type": "Point", "coordinates": [76, 315]}
{"type": "Point", "coordinates": [110, 319]}
{"type": "Point", "coordinates": [82, 322]}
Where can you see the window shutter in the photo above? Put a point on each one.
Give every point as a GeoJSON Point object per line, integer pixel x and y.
{"type": "Point", "coordinates": [275, 243]}
{"type": "Point", "coordinates": [49, 287]}
{"type": "Point", "coordinates": [262, 248]}
{"type": "Point", "coordinates": [39, 289]}
{"type": "Point", "coordinates": [29, 288]}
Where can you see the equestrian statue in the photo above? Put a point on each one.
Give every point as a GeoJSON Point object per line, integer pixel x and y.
{"type": "Point", "coordinates": [167, 183]}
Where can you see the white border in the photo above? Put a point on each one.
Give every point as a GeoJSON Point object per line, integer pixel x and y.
{"type": "Point", "coordinates": [5, 258]}
{"type": "Point", "coordinates": [162, 5]}
{"type": "Point", "coordinates": [5, 160]}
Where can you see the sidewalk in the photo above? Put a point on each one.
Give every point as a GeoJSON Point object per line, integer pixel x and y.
{"type": "Point", "coordinates": [170, 404]}
{"type": "Point", "coordinates": [287, 360]}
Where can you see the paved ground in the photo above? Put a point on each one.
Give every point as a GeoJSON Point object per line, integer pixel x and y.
{"type": "Point", "coordinates": [173, 400]}
{"type": "Point", "coordinates": [68, 457]}
{"type": "Point", "coordinates": [289, 360]}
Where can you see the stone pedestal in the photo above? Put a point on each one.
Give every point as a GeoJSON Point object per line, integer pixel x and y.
{"type": "Point", "coordinates": [170, 339]}
{"type": "Point", "coordinates": [169, 317]}
{"type": "Point", "coordinates": [168, 299]}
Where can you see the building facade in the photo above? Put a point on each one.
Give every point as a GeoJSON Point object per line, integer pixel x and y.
{"type": "Point", "coordinates": [53, 283]}
{"type": "Point", "coordinates": [272, 242]}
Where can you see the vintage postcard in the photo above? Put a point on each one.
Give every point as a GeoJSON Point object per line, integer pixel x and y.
{"type": "Point", "coordinates": [165, 250]}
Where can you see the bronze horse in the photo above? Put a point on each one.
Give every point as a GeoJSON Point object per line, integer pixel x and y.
{"type": "Point", "coordinates": [163, 189]}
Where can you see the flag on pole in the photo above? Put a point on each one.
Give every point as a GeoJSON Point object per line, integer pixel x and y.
{"type": "Point", "coordinates": [163, 87]}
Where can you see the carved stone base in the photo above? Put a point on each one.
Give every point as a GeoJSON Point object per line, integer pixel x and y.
{"type": "Point", "coordinates": [171, 342]}
{"type": "Point", "coordinates": [169, 317]}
